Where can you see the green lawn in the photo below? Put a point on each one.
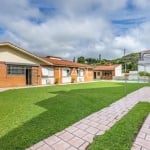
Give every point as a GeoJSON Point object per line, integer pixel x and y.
{"type": "Point", "coordinates": [29, 115]}
{"type": "Point", "coordinates": [121, 136]}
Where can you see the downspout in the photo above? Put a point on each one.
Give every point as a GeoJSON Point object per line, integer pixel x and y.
{"type": "Point", "coordinates": [59, 73]}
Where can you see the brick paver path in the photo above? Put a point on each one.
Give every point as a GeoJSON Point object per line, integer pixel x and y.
{"type": "Point", "coordinates": [81, 134]}
{"type": "Point", "coordinates": [142, 141]}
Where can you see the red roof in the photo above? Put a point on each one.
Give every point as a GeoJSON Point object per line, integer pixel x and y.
{"type": "Point", "coordinates": [109, 67]}
{"type": "Point", "coordinates": [57, 61]}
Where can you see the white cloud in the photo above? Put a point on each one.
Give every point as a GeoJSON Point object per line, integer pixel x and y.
{"type": "Point", "coordinates": [76, 30]}
{"type": "Point", "coordinates": [143, 4]}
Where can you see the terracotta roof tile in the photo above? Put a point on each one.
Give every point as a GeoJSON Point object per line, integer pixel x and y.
{"type": "Point", "coordinates": [110, 67]}
{"type": "Point", "coordinates": [62, 62]}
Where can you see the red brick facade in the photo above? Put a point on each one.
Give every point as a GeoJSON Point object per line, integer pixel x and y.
{"type": "Point", "coordinates": [18, 80]}
{"type": "Point", "coordinates": [9, 81]}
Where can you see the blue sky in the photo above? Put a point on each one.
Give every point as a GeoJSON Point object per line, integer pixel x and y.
{"type": "Point", "coordinates": [76, 27]}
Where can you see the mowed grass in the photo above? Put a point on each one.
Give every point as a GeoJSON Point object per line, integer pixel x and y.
{"type": "Point", "coordinates": [122, 135]}
{"type": "Point", "coordinates": [29, 115]}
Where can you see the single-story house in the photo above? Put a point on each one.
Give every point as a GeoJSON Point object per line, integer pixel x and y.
{"type": "Point", "coordinates": [66, 71]}
{"type": "Point", "coordinates": [106, 72]}
{"type": "Point", "coordinates": [144, 61]}
{"type": "Point", "coordinates": [19, 67]}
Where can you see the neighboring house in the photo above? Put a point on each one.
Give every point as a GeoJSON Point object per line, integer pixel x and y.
{"type": "Point", "coordinates": [107, 72]}
{"type": "Point", "coordinates": [144, 61]}
{"type": "Point", "coordinates": [19, 67]}
{"type": "Point", "coordinates": [66, 71]}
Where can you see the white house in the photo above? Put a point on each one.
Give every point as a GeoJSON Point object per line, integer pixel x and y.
{"type": "Point", "coordinates": [144, 61]}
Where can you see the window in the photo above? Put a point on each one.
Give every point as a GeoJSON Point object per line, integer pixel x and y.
{"type": "Point", "coordinates": [80, 73]}
{"type": "Point", "coordinates": [47, 72]}
{"type": "Point", "coordinates": [66, 73]}
{"type": "Point", "coordinates": [16, 69]}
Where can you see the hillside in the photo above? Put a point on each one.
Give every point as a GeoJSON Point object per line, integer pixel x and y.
{"type": "Point", "coordinates": [130, 60]}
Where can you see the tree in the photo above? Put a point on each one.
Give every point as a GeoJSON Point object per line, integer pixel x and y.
{"type": "Point", "coordinates": [74, 59]}
{"type": "Point", "coordinates": [81, 59]}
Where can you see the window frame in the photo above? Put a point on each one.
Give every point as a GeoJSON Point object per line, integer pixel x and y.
{"type": "Point", "coordinates": [17, 69]}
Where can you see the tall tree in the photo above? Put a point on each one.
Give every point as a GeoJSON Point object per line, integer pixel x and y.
{"type": "Point", "coordinates": [81, 59]}
{"type": "Point", "coordinates": [74, 59]}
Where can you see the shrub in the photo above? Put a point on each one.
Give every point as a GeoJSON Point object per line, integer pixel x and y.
{"type": "Point", "coordinates": [144, 73]}
{"type": "Point", "coordinates": [73, 80]}
{"type": "Point", "coordinates": [56, 80]}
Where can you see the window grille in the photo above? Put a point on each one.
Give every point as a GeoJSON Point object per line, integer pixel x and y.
{"type": "Point", "coordinates": [16, 69]}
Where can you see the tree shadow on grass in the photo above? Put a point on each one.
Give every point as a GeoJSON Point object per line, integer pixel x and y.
{"type": "Point", "coordinates": [63, 110]}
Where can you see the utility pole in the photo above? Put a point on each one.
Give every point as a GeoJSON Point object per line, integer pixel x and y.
{"type": "Point", "coordinates": [74, 59]}
{"type": "Point", "coordinates": [125, 67]}
{"type": "Point", "coordinates": [125, 75]}
{"type": "Point", "coordinates": [99, 56]}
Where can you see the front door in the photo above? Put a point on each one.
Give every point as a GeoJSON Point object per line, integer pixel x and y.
{"type": "Point", "coordinates": [94, 75]}
{"type": "Point", "coordinates": [28, 76]}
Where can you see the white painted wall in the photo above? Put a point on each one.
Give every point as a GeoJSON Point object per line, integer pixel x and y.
{"type": "Point", "coordinates": [145, 68]}
{"type": "Point", "coordinates": [47, 75]}
{"type": "Point", "coordinates": [98, 75]}
{"type": "Point", "coordinates": [66, 80]}
{"type": "Point", "coordinates": [80, 77]}
{"type": "Point", "coordinates": [118, 70]}
{"type": "Point", "coordinates": [66, 75]}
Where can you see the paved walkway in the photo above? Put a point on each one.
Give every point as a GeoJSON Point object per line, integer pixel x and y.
{"type": "Point", "coordinates": [81, 134]}
{"type": "Point", "coordinates": [142, 141]}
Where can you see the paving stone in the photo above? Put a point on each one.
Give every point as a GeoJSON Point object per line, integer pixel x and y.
{"type": "Point", "coordinates": [93, 124]}
{"type": "Point", "coordinates": [89, 137]}
{"type": "Point", "coordinates": [147, 137]}
{"type": "Point", "coordinates": [71, 129]}
{"type": "Point", "coordinates": [111, 123]}
{"type": "Point", "coordinates": [136, 147]}
{"type": "Point", "coordinates": [143, 143]}
{"type": "Point", "coordinates": [92, 130]}
{"type": "Point", "coordinates": [44, 147]}
{"type": "Point", "coordinates": [144, 148]}
{"type": "Point", "coordinates": [66, 136]}
{"type": "Point", "coordinates": [85, 121]}
{"type": "Point", "coordinates": [145, 130]}
{"type": "Point", "coordinates": [71, 148]}
{"type": "Point", "coordinates": [141, 135]}
{"type": "Point", "coordinates": [84, 146]}
{"type": "Point", "coordinates": [52, 140]}
{"type": "Point", "coordinates": [61, 145]}
{"type": "Point", "coordinates": [80, 133]}
{"type": "Point", "coordinates": [82, 126]}
{"type": "Point", "coordinates": [146, 125]}
{"type": "Point", "coordinates": [59, 133]}
{"type": "Point", "coordinates": [102, 127]}
{"type": "Point", "coordinates": [100, 132]}
{"type": "Point", "coordinates": [76, 142]}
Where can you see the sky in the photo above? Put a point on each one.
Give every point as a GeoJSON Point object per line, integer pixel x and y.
{"type": "Point", "coordinates": [74, 28]}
